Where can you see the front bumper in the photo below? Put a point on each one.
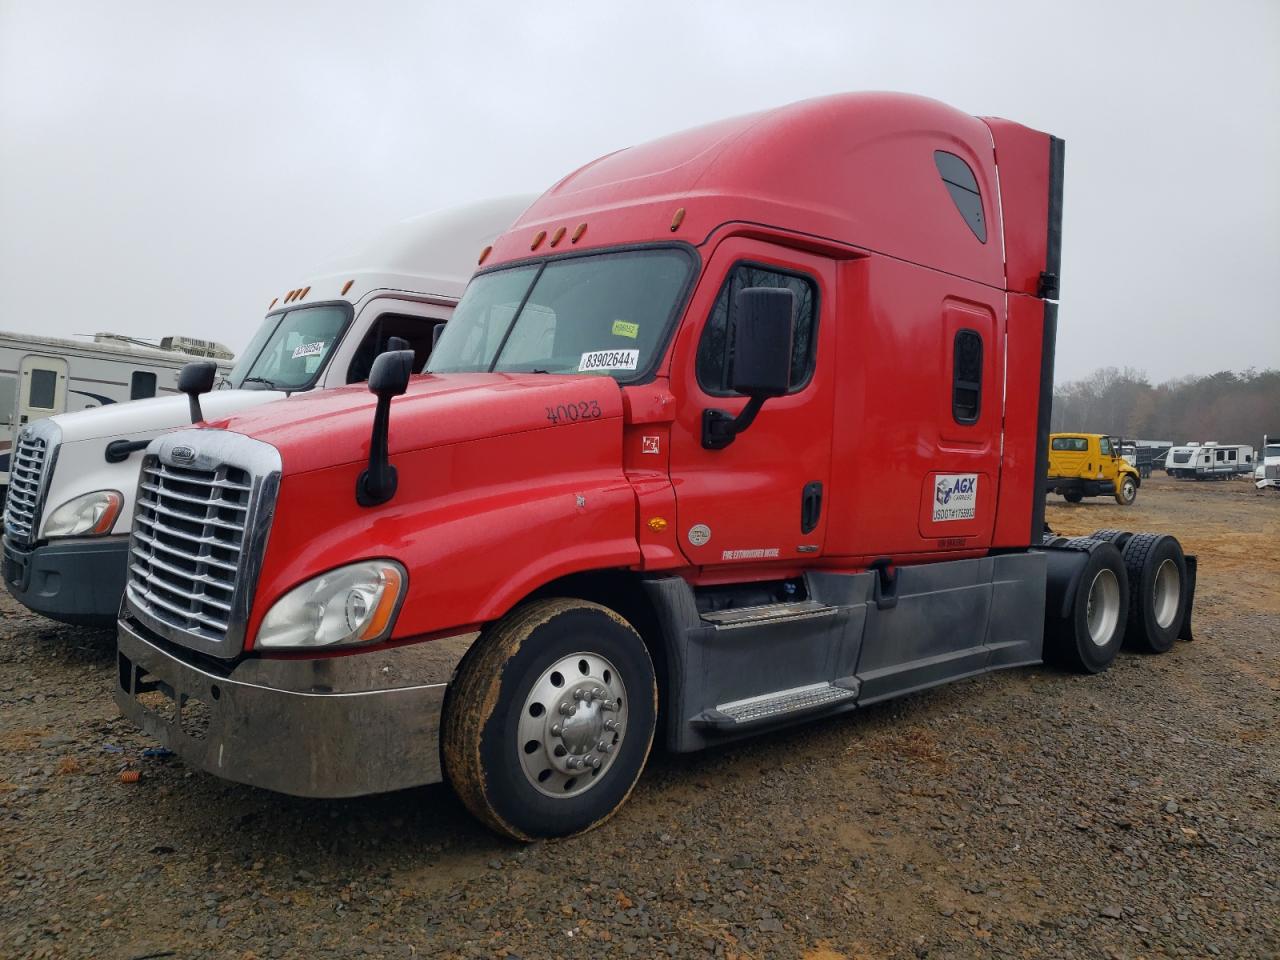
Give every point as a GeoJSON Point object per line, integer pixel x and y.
{"type": "Point", "coordinates": [75, 581]}
{"type": "Point", "coordinates": [318, 727]}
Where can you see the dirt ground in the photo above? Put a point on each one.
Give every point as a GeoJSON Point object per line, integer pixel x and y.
{"type": "Point", "coordinates": [1029, 813]}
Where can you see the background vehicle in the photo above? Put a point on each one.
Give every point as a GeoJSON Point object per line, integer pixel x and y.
{"type": "Point", "coordinates": [44, 376]}
{"type": "Point", "coordinates": [1267, 472]}
{"type": "Point", "coordinates": [643, 479]}
{"type": "Point", "coordinates": [1209, 461]}
{"type": "Point", "coordinates": [1090, 465]}
{"type": "Point", "coordinates": [66, 533]}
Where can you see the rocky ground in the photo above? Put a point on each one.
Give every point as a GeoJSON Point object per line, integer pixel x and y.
{"type": "Point", "coordinates": [1025, 814]}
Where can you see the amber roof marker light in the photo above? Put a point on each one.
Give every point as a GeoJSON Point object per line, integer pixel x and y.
{"type": "Point", "coordinates": [346, 286]}
{"type": "Point", "coordinates": [557, 236]}
{"type": "Point", "coordinates": [484, 255]}
{"type": "Point", "coordinates": [677, 220]}
{"type": "Point", "coordinates": [537, 240]}
{"type": "Point", "coordinates": [578, 231]}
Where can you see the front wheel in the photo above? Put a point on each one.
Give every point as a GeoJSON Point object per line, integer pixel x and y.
{"type": "Point", "coordinates": [550, 719]}
{"type": "Point", "coordinates": [1126, 490]}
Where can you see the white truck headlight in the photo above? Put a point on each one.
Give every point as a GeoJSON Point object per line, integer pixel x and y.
{"type": "Point", "coordinates": [352, 604]}
{"type": "Point", "coordinates": [88, 515]}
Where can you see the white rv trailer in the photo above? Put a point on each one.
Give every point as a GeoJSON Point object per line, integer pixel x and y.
{"type": "Point", "coordinates": [66, 525]}
{"type": "Point", "coordinates": [1267, 472]}
{"type": "Point", "coordinates": [1209, 461]}
{"type": "Point", "coordinates": [44, 376]}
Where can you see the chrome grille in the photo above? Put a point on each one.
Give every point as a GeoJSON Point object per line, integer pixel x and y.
{"type": "Point", "coordinates": [188, 544]}
{"type": "Point", "coordinates": [26, 480]}
{"type": "Point", "coordinates": [1272, 471]}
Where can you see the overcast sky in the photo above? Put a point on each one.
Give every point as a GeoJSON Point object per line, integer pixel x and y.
{"type": "Point", "coordinates": [169, 167]}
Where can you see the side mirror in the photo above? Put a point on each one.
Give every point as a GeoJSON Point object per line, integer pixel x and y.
{"type": "Point", "coordinates": [435, 335]}
{"type": "Point", "coordinates": [194, 379]}
{"type": "Point", "coordinates": [388, 378]}
{"type": "Point", "coordinates": [763, 330]}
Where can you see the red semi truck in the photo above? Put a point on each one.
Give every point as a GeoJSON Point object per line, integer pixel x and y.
{"type": "Point", "coordinates": [732, 429]}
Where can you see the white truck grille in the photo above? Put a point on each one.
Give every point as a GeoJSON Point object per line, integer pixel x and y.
{"type": "Point", "coordinates": [1272, 472]}
{"type": "Point", "coordinates": [26, 478]}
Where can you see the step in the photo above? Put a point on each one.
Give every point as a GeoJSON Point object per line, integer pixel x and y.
{"type": "Point", "coordinates": [780, 704]}
{"type": "Point", "coordinates": [768, 613]}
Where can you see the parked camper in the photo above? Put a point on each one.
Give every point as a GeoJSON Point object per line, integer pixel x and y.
{"type": "Point", "coordinates": [66, 533]}
{"type": "Point", "coordinates": [1267, 472]}
{"type": "Point", "coordinates": [44, 376]}
{"type": "Point", "coordinates": [644, 478]}
{"type": "Point", "coordinates": [1209, 461]}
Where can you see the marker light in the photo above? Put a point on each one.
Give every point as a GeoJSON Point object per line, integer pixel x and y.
{"type": "Point", "coordinates": [352, 604]}
{"type": "Point", "coordinates": [88, 515]}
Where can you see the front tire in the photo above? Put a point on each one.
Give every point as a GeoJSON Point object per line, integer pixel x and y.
{"type": "Point", "coordinates": [1126, 490]}
{"type": "Point", "coordinates": [550, 719]}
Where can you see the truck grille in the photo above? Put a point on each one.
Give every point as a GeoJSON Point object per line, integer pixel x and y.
{"type": "Point", "coordinates": [189, 534]}
{"type": "Point", "coordinates": [1272, 472]}
{"type": "Point", "coordinates": [26, 480]}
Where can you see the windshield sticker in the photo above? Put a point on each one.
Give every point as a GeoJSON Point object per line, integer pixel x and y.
{"type": "Point", "coordinates": [621, 328]}
{"type": "Point", "coordinates": [609, 360]}
{"type": "Point", "coordinates": [955, 496]}
{"type": "Point", "coordinates": [309, 349]}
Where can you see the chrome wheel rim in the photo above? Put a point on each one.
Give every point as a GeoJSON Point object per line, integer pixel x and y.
{"type": "Point", "coordinates": [572, 725]}
{"type": "Point", "coordinates": [1128, 490]}
{"type": "Point", "coordinates": [1103, 610]}
{"type": "Point", "coordinates": [1167, 594]}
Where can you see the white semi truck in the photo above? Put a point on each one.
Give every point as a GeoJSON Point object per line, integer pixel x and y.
{"type": "Point", "coordinates": [1267, 472]}
{"type": "Point", "coordinates": [74, 476]}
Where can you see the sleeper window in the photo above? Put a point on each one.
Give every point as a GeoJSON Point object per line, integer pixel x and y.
{"type": "Point", "coordinates": [960, 182]}
{"type": "Point", "coordinates": [716, 346]}
{"type": "Point", "coordinates": [966, 377]}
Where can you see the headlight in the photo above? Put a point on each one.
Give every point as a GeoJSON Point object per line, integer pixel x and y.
{"type": "Point", "coordinates": [89, 515]}
{"type": "Point", "coordinates": [353, 604]}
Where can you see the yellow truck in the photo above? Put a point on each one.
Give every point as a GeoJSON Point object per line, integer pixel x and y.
{"type": "Point", "coordinates": [1089, 465]}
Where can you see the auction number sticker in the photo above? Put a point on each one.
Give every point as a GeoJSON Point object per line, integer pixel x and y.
{"type": "Point", "coordinates": [609, 360]}
{"type": "Point", "coordinates": [955, 496]}
{"type": "Point", "coordinates": [309, 349]}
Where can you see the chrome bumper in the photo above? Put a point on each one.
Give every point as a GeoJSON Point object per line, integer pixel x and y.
{"type": "Point", "coordinates": [320, 727]}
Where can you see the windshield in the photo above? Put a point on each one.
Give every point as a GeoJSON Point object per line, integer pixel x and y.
{"type": "Point", "coordinates": [290, 349]}
{"type": "Point", "coordinates": [1273, 450]}
{"type": "Point", "coordinates": [606, 313]}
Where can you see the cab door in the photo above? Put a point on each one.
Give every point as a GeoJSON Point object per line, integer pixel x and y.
{"type": "Point", "coordinates": [1107, 460]}
{"type": "Point", "coordinates": [763, 498]}
{"type": "Point", "coordinates": [42, 388]}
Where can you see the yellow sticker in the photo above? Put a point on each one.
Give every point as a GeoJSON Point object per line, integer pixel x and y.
{"type": "Point", "coordinates": [621, 328]}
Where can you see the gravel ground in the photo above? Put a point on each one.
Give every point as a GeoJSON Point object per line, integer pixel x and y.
{"type": "Point", "coordinates": [1025, 814]}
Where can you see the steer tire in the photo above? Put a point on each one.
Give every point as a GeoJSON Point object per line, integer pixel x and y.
{"type": "Point", "coordinates": [1157, 573]}
{"type": "Point", "coordinates": [499, 753]}
{"type": "Point", "coordinates": [1126, 490]}
{"type": "Point", "coordinates": [1090, 635]}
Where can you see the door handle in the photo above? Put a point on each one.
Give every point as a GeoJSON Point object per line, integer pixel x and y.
{"type": "Point", "coordinates": [810, 506]}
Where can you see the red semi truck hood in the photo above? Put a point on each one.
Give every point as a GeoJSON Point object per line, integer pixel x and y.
{"type": "Point", "coordinates": [329, 428]}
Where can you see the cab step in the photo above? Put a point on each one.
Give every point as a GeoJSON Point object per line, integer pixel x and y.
{"type": "Point", "coordinates": [780, 705]}
{"type": "Point", "coordinates": [767, 613]}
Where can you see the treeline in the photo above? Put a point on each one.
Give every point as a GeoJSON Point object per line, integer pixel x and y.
{"type": "Point", "coordinates": [1227, 407]}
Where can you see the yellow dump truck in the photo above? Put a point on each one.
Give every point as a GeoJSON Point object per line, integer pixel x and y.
{"type": "Point", "coordinates": [1089, 465]}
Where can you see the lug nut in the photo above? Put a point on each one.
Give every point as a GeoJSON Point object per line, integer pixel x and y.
{"type": "Point", "coordinates": [608, 705]}
{"type": "Point", "coordinates": [595, 762]}
{"type": "Point", "coordinates": [604, 746]}
{"type": "Point", "coordinates": [598, 693]}
{"type": "Point", "coordinates": [555, 729]}
{"type": "Point", "coordinates": [611, 725]}
{"type": "Point", "coordinates": [579, 694]}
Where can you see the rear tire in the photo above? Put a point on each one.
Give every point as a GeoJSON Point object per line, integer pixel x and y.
{"type": "Point", "coordinates": [552, 689]}
{"type": "Point", "coordinates": [1157, 574]}
{"type": "Point", "coordinates": [1090, 636]}
{"type": "Point", "coordinates": [1073, 496]}
{"type": "Point", "coordinates": [1126, 490]}
{"type": "Point", "coordinates": [1111, 535]}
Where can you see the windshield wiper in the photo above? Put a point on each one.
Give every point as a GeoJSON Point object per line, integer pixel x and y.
{"type": "Point", "coordinates": [271, 384]}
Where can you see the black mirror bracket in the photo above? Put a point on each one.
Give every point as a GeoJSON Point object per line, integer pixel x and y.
{"type": "Point", "coordinates": [378, 483]}
{"type": "Point", "coordinates": [719, 429]}
{"type": "Point", "coordinates": [194, 379]}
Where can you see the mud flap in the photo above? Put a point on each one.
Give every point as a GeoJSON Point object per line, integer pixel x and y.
{"type": "Point", "coordinates": [1185, 632]}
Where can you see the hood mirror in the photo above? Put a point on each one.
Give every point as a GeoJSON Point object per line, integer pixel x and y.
{"type": "Point", "coordinates": [388, 378]}
{"type": "Point", "coordinates": [194, 379]}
